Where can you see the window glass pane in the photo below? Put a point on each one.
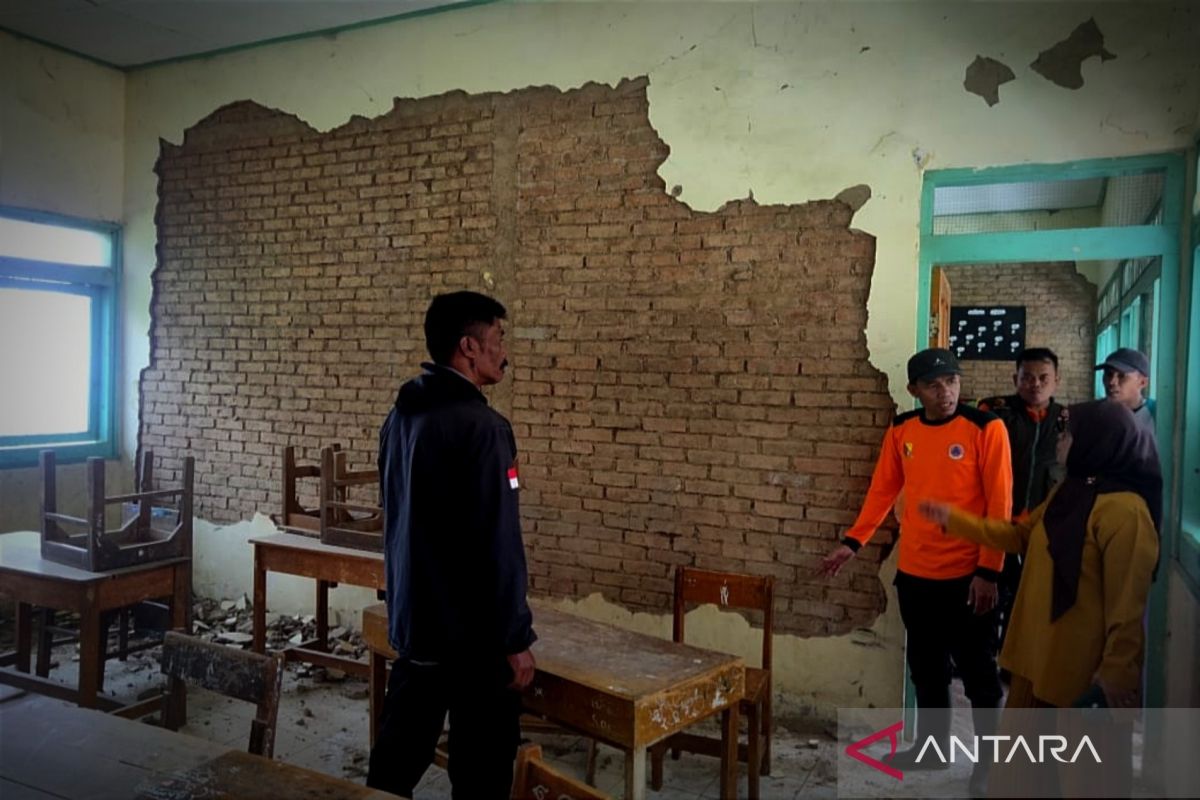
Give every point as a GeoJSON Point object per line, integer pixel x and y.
{"type": "Point", "coordinates": [1118, 201]}
{"type": "Point", "coordinates": [55, 243]}
{"type": "Point", "coordinates": [45, 358]}
{"type": "Point", "coordinates": [1106, 342]}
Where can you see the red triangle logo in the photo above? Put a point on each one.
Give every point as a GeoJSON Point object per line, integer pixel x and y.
{"type": "Point", "coordinates": [854, 749]}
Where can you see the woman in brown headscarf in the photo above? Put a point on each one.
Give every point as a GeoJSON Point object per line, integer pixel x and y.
{"type": "Point", "coordinates": [1091, 550]}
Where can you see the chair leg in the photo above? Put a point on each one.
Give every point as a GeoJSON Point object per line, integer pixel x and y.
{"type": "Point", "coordinates": [656, 766]}
{"type": "Point", "coordinates": [45, 641]}
{"type": "Point", "coordinates": [105, 622]}
{"type": "Point", "coordinates": [753, 753]}
{"type": "Point", "coordinates": [123, 634]}
{"type": "Point", "coordinates": [766, 740]}
{"type": "Point", "coordinates": [590, 772]}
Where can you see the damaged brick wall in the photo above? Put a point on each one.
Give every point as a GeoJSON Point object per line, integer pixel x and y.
{"type": "Point", "coordinates": [1060, 313]}
{"type": "Point", "coordinates": [687, 388]}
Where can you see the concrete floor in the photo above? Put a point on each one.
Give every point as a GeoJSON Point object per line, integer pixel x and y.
{"type": "Point", "coordinates": [323, 726]}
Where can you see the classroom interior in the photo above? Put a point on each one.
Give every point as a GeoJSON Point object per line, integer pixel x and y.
{"type": "Point", "coordinates": [720, 230]}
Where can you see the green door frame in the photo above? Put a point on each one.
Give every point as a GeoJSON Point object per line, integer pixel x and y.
{"type": "Point", "coordinates": [1086, 244]}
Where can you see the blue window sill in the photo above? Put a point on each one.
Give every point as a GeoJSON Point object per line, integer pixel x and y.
{"type": "Point", "coordinates": [16, 456]}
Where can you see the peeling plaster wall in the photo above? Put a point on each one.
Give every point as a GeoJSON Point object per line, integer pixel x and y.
{"type": "Point", "coordinates": [62, 149]}
{"type": "Point", "coordinates": [62, 132]}
{"type": "Point", "coordinates": [792, 102]}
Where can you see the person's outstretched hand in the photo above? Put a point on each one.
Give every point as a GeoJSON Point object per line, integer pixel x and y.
{"type": "Point", "coordinates": [982, 595]}
{"type": "Point", "coordinates": [832, 564]}
{"type": "Point", "coordinates": [523, 666]}
{"type": "Point", "coordinates": [935, 512]}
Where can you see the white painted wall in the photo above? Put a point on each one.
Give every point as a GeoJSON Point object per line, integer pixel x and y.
{"type": "Point", "coordinates": [62, 132]}
{"type": "Point", "coordinates": [62, 149]}
{"type": "Point", "coordinates": [224, 568]}
{"type": "Point", "coordinates": [790, 101]}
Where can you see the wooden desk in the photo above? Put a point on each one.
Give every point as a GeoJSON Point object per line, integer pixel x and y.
{"type": "Point", "coordinates": [623, 688]}
{"type": "Point", "coordinates": [30, 580]}
{"type": "Point", "coordinates": [329, 565]}
{"type": "Point", "coordinates": [55, 750]}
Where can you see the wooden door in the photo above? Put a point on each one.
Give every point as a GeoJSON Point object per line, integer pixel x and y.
{"type": "Point", "coordinates": [939, 309]}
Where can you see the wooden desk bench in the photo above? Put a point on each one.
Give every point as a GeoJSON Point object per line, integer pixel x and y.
{"type": "Point", "coordinates": [623, 688]}
{"type": "Point", "coordinates": [328, 565]}
{"type": "Point", "coordinates": [30, 580]}
{"type": "Point", "coordinates": [73, 753]}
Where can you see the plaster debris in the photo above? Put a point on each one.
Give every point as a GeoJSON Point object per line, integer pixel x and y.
{"type": "Point", "coordinates": [230, 621]}
{"type": "Point", "coordinates": [855, 196]}
{"type": "Point", "coordinates": [984, 77]}
{"type": "Point", "coordinates": [1061, 63]}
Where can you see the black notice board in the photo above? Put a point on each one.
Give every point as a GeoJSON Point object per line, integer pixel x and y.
{"type": "Point", "coordinates": [987, 333]}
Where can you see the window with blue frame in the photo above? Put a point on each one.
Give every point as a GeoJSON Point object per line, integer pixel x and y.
{"type": "Point", "coordinates": [1125, 314]}
{"type": "Point", "coordinates": [58, 289]}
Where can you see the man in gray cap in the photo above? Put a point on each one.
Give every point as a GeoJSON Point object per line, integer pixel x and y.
{"type": "Point", "coordinates": [1126, 376]}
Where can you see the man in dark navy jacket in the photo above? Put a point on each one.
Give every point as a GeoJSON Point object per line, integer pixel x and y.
{"type": "Point", "coordinates": [456, 576]}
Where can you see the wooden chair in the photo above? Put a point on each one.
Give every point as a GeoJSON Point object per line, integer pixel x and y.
{"type": "Point", "coordinates": [534, 779]}
{"type": "Point", "coordinates": [87, 543]}
{"type": "Point", "coordinates": [293, 516]}
{"type": "Point", "coordinates": [728, 590]}
{"type": "Point", "coordinates": [241, 674]}
{"type": "Point", "coordinates": [344, 523]}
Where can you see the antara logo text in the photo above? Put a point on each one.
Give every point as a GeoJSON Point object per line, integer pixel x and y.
{"type": "Point", "coordinates": [1004, 749]}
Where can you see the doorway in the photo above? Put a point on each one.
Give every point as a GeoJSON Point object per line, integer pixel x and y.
{"type": "Point", "coordinates": [1118, 221]}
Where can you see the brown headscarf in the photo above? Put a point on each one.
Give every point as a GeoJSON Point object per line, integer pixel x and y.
{"type": "Point", "coordinates": [1109, 453]}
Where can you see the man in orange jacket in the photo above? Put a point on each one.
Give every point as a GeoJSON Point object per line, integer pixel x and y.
{"type": "Point", "coordinates": [946, 586]}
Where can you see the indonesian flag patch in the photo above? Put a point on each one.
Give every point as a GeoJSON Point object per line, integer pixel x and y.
{"type": "Point", "coordinates": [512, 476]}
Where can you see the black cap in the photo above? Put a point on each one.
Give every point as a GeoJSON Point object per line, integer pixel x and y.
{"type": "Point", "coordinates": [931, 363]}
{"type": "Point", "coordinates": [1126, 359]}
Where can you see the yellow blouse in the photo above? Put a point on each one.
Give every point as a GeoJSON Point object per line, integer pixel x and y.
{"type": "Point", "coordinates": [1101, 635]}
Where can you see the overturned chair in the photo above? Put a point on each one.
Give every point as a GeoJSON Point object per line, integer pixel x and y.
{"type": "Point", "coordinates": [294, 516]}
{"type": "Point", "coordinates": [337, 519]}
{"type": "Point", "coordinates": [343, 522]}
{"type": "Point", "coordinates": [86, 543]}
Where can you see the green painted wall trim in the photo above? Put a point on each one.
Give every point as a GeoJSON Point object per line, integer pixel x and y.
{"type": "Point", "coordinates": [1071, 244]}
{"type": "Point", "coordinates": [367, 23]}
{"type": "Point", "coordinates": [1088, 244]}
{"type": "Point", "coordinates": [61, 49]}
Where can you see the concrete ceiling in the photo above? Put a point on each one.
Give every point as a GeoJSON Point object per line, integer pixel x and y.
{"type": "Point", "coordinates": [130, 33]}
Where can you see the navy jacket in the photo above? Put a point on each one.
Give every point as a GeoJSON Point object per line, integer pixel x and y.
{"type": "Point", "coordinates": [455, 562]}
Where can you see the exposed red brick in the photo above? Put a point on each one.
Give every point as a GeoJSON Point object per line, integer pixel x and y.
{"type": "Point", "coordinates": [687, 387]}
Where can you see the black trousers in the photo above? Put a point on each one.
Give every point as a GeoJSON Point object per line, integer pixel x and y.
{"type": "Point", "coordinates": [485, 728]}
{"type": "Point", "coordinates": [1010, 581]}
{"type": "Point", "coordinates": [941, 626]}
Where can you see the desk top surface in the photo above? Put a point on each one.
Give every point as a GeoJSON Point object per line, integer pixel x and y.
{"type": "Point", "coordinates": [21, 551]}
{"type": "Point", "coordinates": [618, 662]}
{"type": "Point", "coordinates": [68, 752]}
{"type": "Point", "coordinates": [295, 541]}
